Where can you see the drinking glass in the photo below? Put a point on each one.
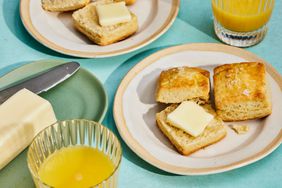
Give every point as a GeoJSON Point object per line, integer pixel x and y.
{"type": "Point", "coordinates": [241, 23]}
{"type": "Point", "coordinates": [74, 133]}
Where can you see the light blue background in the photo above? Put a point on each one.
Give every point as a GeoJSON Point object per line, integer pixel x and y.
{"type": "Point", "coordinates": [193, 24]}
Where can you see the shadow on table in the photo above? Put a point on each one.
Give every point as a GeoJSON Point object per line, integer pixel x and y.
{"type": "Point", "coordinates": [111, 85]}
{"type": "Point", "coordinates": [199, 15]}
{"type": "Point", "coordinates": [12, 18]}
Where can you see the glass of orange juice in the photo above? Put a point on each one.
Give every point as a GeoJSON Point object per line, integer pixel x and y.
{"type": "Point", "coordinates": [75, 154]}
{"type": "Point", "coordinates": [241, 23]}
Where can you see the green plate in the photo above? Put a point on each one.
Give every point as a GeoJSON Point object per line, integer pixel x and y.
{"type": "Point", "coordinates": [80, 97]}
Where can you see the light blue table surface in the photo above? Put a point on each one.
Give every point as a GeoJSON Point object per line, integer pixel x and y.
{"type": "Point", "coordinates": [193, 24]}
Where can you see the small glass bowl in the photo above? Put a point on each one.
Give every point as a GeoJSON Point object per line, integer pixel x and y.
{"type": "Point", "coordinates": [74, 133]}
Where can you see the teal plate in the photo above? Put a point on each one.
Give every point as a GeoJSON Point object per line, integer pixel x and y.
{"type": "Point", "coordinates": [80, 97]}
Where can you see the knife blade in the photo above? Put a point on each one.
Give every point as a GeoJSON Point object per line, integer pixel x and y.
{"type": "Point", "coordinates": [42, 82]}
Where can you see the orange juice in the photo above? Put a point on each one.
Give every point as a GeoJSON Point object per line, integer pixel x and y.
{"type": "Point", "coordinates": [76, 167]}
{"type": "Point", "coordinates": [242, 15]}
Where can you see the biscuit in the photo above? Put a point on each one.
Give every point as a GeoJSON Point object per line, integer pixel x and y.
{"type": "Point", "coordinates": [185, 143]}
{"type": "Point", "coordinates": [241, 91]}
{"type": "Point", "coordinates": [178, 84]}
{"type": "Point", "coordinates": [63, 5]}
{"type": "Point", "coordinates": [128, 2]}
{"type": "Point", "coordinates": [87, 22]}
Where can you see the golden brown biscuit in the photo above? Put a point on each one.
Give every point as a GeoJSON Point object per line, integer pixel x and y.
{"type": "Point", "coordinates": [183, 83]}
{"type": "Point", "coordinates": [241, 91]}
{"type": "Point", "coordinates": [128, 2]}
{"type": "Point", "coordinates": [240, 129]}
{"type": "Point", "coordinates": [63, 5]}
{"type": "Point", "coordinates": [86, 21]}
{"type": "Point", "coordinates": [185, 143]}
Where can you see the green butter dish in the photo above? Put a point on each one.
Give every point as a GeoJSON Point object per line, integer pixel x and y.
{"type": "Point", "coordinates": [82, 96]}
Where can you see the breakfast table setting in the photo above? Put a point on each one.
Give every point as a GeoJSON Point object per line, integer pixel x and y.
{"type": "Point", "coordinates": [101, 81]}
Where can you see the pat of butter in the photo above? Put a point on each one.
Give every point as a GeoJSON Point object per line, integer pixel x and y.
{"type": "Point", "coordinates": [190, 117]}
{"type": "Point", "coordinates": [22, 116]}
{"type": "Point", "coordinates": [114, 13]}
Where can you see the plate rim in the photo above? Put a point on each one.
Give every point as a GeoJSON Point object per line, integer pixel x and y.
{"type": "Point", "coordinates": [26, 20]}
{"type": "Point", "coordinates": [143, 153]}
{"type": "Point", "coordinates": [58, 61]}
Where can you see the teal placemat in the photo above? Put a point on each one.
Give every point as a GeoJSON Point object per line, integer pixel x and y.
{"type": "Point", "coordinates": [198, 14]}
{"type": "Point", "coordinates": [254, 175]}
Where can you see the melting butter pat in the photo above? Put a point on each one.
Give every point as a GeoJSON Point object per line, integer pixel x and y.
{"type": "Point", "coordinates": [114, 13]}
{"type": "Point", "coordinates": [190, 117]}
{"type": "Point", "coordinates": [22, 116]}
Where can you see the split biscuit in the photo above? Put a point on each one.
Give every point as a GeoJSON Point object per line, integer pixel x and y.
{"type": "Point", "coordinates": [241, 91]}
{"type": "Point", "coordinates": [86, 21]}
{"type": "Point", "coordinates": [63, 5]}
{"type": "Point", "coordinates": [179, 84]}
{"type": "Point", "coordinates": [185, 143]}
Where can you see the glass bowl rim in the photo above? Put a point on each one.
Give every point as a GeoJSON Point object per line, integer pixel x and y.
{"type": "Point", "coordinates": [72, 120]}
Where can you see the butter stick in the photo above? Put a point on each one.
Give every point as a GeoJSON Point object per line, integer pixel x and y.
{"type": "Point", "coordinates": [22, 116]}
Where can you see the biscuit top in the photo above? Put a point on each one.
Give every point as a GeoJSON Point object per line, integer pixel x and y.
{"type": "Point", "coordinates": [179, 84]}
{"type": "Point", "coordinates": [184, 76]}
{"type": "Point", "coordinates": [63, 5]}
{"type": "Point", "coordinates": [239, 82]}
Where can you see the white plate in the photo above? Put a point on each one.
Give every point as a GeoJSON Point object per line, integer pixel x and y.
{"type": "Point", "coordinates": [135, 109]}
{"type": "Point", "coordinates": [56, 30]}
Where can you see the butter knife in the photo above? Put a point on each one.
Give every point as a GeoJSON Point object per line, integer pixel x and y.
{"type": "Point", "coordinates": [42, 82]}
